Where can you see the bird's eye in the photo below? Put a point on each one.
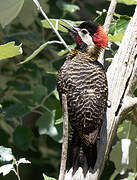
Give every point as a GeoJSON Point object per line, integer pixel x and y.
{"type": "Point", "coordinates": [84, 31]}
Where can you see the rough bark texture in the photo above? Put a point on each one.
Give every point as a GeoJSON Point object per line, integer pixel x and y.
{"type": "Point", "coordinates": [122, 80]}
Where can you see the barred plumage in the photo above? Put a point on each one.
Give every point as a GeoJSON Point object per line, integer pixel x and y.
{"type": "Point", "coordinates": [82, 78]}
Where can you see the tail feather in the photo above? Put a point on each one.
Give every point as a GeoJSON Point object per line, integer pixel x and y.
{"type": "Point", "coordinates": [80, 155]}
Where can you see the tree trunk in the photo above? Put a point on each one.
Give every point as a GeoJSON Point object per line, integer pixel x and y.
{"type": "Point", "coordinates": [122, 80]}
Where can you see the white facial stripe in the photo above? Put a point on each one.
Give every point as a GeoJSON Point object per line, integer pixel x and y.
{"type": "Point", "coordinates": [86, 38]}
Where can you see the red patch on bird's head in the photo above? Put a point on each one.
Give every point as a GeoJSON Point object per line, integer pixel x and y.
{"type": "Point", "coordinates": [78, 39]}
{"type": "Point", "coordinates": [101, 38]}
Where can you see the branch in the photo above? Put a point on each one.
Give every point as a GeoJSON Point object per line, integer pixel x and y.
{"type": "Point", "coordinates": [110, 14]}
{"type": "Point", "coordinates": [107, 23]}
{"type": "Point", "coordinates": [65, 137]}
{"type": "Point", "coordinates": [128, 104]}
{"type": "Point", "coordinates": [46, 17]}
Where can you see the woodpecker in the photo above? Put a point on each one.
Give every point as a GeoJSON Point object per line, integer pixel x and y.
{"type": "Point", "coordinates": [83, 80]}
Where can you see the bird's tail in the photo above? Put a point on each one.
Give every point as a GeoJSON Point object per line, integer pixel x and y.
{"type": "Point", "coordinates": [80, 155]}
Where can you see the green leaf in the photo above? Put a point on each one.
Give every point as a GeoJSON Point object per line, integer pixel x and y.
{"type": "Point", "coordinates": [5, 154]}
{"type": "Point", "coordinates": [49, 80]}
{"type": "Point", "coordinates": [101, 17]}
{"type": "Point", "coordinates": [22, 137]}
{"type": "Point", "coordinates": [19, 86]}
{"type": "Point", "coordinates": [118, 28]}
{"type": "Point", "coordinates": [53, 103]}
{"type": "Point", "coordinates": [117, 37]}
{"type": "Point", "coordinates": [128, 2]}
{"type": "Point", "coordinates": [122, 23]}
{"type": "Point", "coordinates": [127, 130]}
{"type": "Point", "coordinates": [9, 9]}
{"type": "Point", "coordinates": [16, 110]}
{"type": "Point", "coordinates": [26, 99]}
{"type": "Point", "coordinates": [46, 124]}
{"type": "Point", "coordinates": [29, 10]}
{"type": "Point", "coordinates": [59, 135]}
{"type": "Point", "coordinates": [121, 16]}
{"type": "Point", "coordinates": [9, 50]}
{"type": "Point", "coordinates": [48, 178]}
{"type": "Point", "coordinates": [132, 156]}
{"type": "Point", "coordinates": [67, 6]}
{"type": "Point", "coordinates": [45, 24]}
{"type": "Point", "coordinates": [39, 92]}
{"type": "Point", "coordinates": [109, 59]}
{"type": "Point", "coordinates": [112, 28]}
{"type": "Point", "coordinates": [115, 156]}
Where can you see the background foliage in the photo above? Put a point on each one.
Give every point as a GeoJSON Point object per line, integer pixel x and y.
{"type": "Point", "coordinates": [30, 111]}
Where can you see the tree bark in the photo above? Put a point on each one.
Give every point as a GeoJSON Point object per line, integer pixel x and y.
{"type": "Point", "coordinates": [122, 80]}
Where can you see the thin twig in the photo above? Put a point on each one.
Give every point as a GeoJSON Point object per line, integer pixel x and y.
{"type": "Point", "coordinates": [37, 51]}
{"type": "Point", "coordinates": [107, 23]}
{"type": "Point", "coordinates": [16, 174]}
{"type": "Point", "coordinates": [17, 170]}
{"type": "Point", "coordinates": [65, 137]}
{"type": "Point", "coordinates": [55, 30]}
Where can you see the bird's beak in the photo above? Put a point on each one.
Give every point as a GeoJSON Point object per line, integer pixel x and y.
{"type": "Point", "coordinates": [71, 29]}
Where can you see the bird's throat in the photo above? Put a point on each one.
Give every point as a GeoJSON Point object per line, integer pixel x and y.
{"type": "Point", "coordinates": [92, 51]}
{"type": "Point", "coordinates": [90, 55]}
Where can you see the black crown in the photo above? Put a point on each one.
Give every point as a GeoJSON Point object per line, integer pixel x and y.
{"type": "Point", "coordinates": [90, 26]}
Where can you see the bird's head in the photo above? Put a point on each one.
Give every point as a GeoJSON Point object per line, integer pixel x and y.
{"type": "Point", "coordinates": [88, 36]}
